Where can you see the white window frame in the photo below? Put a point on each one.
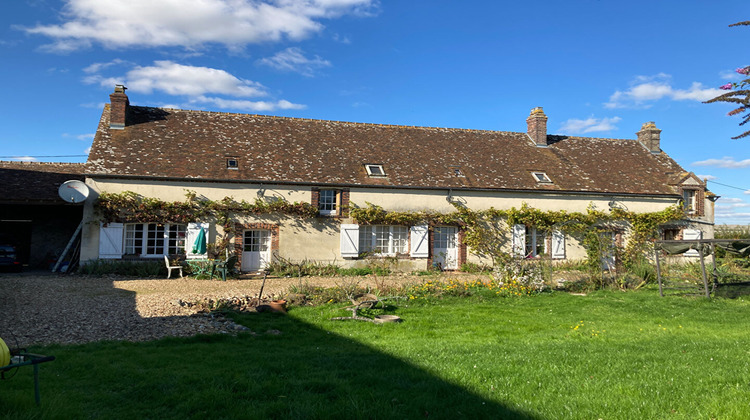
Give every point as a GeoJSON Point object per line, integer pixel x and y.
{"type": "Point", "coordinates": [168, 239]}
{"type": "Point", "coordinates": [375, 170]}
{"type": "Point", "coordinates": [256, 240]}
{"type": "Point", "coordinates": [328, 202]}
{"type": "Point", "coordinates": [389, 240]}
{"type": "Point", "coordinates": [541, 177]}
{"type": "Point", "coordinates": [233, 163]}
{"type": "Point", "coordinates": [534, 241]}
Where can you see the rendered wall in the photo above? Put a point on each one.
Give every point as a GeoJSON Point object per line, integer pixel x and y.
{"type": "Point", "coordinates": [319, 239]}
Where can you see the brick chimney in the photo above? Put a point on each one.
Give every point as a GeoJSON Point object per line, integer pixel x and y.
{"type": "Point", "coordinates": [537, 127]}
{"type": "Point", "coordinates": [650, 137]}
{"type": "Point", "coordinates": [118, 108]}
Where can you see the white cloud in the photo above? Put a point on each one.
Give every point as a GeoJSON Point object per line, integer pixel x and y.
{"type": "Point", "coordinates": [191, 23]}
{"type": "Point", "coordinates": [646, 89]}
{"type": "Point", "coordinates": [730, 210]}
{"type": "Point", "coordinates": [178, 79]}
{"type": "Point", "coordinates": [341, 38]}
{"type": "Point", "coordinates": [725, 162]}
{"type": "Point", "coordinates": [199, 85]}
{"type": "Point", "coordinates": [26, 158]}
{"type": "Point", "coordinates": [589, 125]}
{"type": "Point", "coordinates": [98, 67]}
{"type": "Point", "coordinates": [730, 75]}
{"type": "Point", "coordinates": [257, 106]}
{"type": "Point", "coordinates": [87, 150]}
{"type": "Point", "coordinates": [94, 105]}
{"type": "Point", "coordinates": [82, 137]}
{"type": "Point", "coordinates": [732, 205]}
{"type": "Point", "coordinates": [293, 59]}
{"type": "Point", "coordinates": [707, 177]}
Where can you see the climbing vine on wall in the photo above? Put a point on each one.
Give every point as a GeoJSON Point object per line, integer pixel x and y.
{"type": "Point", "coordinates": [488, 231]}
{"type": "Point", "coordinates": [134, 208]}
{"type": "Point", "coordinates": [131, 207]}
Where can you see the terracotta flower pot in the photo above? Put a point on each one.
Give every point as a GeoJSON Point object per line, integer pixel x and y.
{"type": "Point", "coordinates": [278, 305]}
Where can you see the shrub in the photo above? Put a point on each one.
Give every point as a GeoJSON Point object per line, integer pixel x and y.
{"type": "Point", "coordinates": [284, 268]}
{"type": "Point", "coordinates": [475, 268]}
{"type": "Point", "coordinates": [643, 270]}
{"type": "Point", "coordinates": [124, 268]}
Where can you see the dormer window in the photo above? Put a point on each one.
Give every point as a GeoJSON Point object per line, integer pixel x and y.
{"type": "Point", "coordinates": [541, 178]}
{"type": "Point", "coordinates": [375, 170]}
{"type": "Point", "coordinates": [232, 163]}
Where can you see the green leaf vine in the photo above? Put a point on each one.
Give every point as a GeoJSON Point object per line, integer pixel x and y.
{"type": "Point", "coordinates": [131, 207]}
{"type": "Point", "coordinates": [487, 231]}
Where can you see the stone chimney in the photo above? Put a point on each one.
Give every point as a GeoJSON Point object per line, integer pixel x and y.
{"type": "Point", "coordinates": [118, 108]}
{"type": "Point", "coordinates": [650, 137]}
{"type": "Point", "coordinates": [537, 127]}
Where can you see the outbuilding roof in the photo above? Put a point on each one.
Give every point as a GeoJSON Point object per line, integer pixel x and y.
{"type": "Point", "coordinates": [36, 182]}
{"type": "Point", "coordinates": [165, 143]}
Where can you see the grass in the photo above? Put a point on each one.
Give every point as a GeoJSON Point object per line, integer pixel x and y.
{"type": "Point", "coordinates": [609, 355]}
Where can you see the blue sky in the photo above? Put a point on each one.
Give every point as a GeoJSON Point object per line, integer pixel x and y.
{"type": "Point", "coordinates": [599, 68]}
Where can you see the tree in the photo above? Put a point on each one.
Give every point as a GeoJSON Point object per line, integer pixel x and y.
{"type": "Point", "coordinates": [739, 93]}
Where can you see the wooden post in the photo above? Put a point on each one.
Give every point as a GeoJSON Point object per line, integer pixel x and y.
{"type": "Point", "coordinates": [703, 270]}
{"type": "Point", "coordinates": [715, 274]}
{"type": "Point", "coordinates": [658, 270]}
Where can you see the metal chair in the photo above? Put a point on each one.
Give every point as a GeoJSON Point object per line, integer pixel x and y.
{"type": "Point", "coordinates": [171, 267]}
{"type": "Point", "coordinates": [224, 267]}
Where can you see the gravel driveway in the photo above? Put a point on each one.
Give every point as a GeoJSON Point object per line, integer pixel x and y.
{"type": "Point", "coordinates": [40, 308]}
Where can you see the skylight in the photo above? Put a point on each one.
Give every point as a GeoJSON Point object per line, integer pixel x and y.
{"type": "Point", "coordinates": [375, 170]}
{"type": "Point", "coordinates": [232, 163]}
{"type": "Point", "coordinates": [541, 177]}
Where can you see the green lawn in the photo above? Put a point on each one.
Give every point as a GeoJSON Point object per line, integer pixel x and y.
{"type": "Point", "coordinates": [609, 355]}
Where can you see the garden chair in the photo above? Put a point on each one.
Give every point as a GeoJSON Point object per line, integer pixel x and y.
{"type": "Point", "coordinates": [224, 267]}
{"type": "Point", "coordinates": [171, 267]}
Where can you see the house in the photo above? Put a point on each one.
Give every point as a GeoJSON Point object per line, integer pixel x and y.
{"type": "Point", "coordinates": [32, 215]}
{"type": "Point", "coordinates": [335, 166]}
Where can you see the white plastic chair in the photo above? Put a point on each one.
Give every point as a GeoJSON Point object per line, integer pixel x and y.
{"type": "Point", "coordinates": [171, 267]}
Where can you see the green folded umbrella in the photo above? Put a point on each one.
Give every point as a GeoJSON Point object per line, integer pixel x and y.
{"type": "Point", "coordinates": [199, 247]}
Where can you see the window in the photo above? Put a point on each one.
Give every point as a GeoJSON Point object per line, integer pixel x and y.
{"type": "Point", "coordinates": [457, 172]}
{"type": "Point", "coordinates": [375, 170]}
{"type": "Point", "coordinates": [256, 241]}
{"type": "Point", "coordinates": [327, 202]}
{"type": "Point", "coordinates": [541, 177]}
{"type": "Point", "coordinates": [670, 234]}
{"type": "Point", "coordinates": [535, 242]}
{"type": "Point", "coordinates": [385, 240]}
{"type": "Point", "coordinates": [232, 163]}
{"type": "Point", "coordinates": [154, 240]}
{"type": "Point", "coordinates": [688, 200]}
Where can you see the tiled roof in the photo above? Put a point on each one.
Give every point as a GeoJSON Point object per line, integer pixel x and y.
{"type": "Point", "coordinates": [170, 143]}
{"type": "Point", "coordinates": [23, 182]}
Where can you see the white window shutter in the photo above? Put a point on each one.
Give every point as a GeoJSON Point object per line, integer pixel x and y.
{"type": "Point", "coordinates": [349, 241]}
{"type": "Point", "coordinates": [110, 240]}
{"type": "Point", "coordinates": [519, 241]}
{"type": "Point", "coordinates": [558, 245]}
{"type": "Point", "coordinates": [691, 234]}
{"type": "Point", "coordinates": [420, 245]}
{"type": "Point", "coordinates": [191, 235]}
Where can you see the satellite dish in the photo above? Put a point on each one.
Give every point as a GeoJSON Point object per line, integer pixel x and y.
{"type": "Point", "coordinates": [73, 191]}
